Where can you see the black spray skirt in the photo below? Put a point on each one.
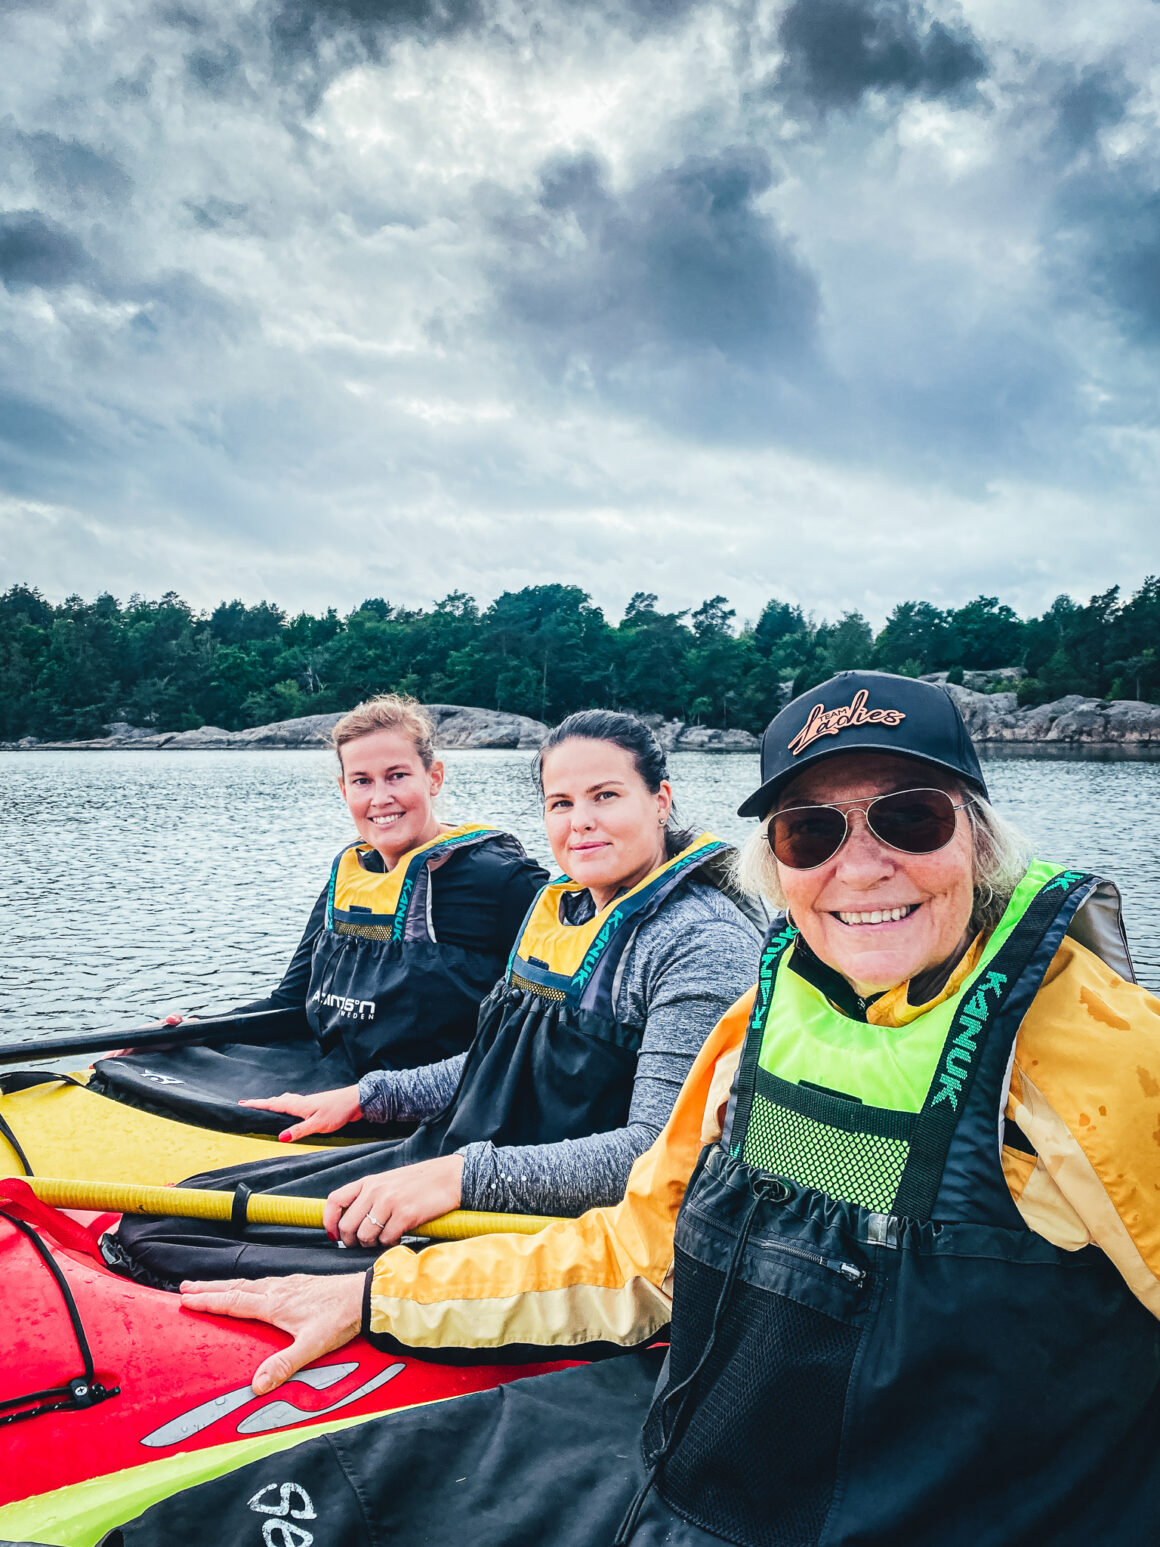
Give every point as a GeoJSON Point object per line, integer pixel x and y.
{"type": "Point", "coordinates": [203, 1085]}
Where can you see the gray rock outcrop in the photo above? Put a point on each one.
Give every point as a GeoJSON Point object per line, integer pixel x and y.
{"type": "Point", "coordinates": [676, 736]}
{"type": "Point", "coordinates": [455, 726]}
{"type": "Point", "coordinates": [996, 717]}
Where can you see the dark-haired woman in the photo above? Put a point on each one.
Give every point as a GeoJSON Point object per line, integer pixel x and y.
{"type": "Point", "coordinates": [621, 970]}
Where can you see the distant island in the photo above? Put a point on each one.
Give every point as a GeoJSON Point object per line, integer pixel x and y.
{"type": "Point", "coordinates": [155, 673]}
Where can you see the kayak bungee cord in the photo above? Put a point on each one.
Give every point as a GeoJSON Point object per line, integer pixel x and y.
{"type": "Point", "coordinates": [241, 1206]}
{"type": "Point", "coordinates": [83, 1390]}
{"type": "Point", "coordinates": [28, 1080]}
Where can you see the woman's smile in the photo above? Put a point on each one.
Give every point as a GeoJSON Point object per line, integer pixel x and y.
{"type": "Point", "coordinates": [884, 913]}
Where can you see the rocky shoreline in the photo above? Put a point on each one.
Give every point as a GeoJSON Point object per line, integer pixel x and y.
{"type": "Point", "coordinates": [455, 726]}
{"type": "Point", "coordinates": [992, 718]}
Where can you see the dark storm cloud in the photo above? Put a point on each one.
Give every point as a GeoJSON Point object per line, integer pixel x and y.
{"type": "Point", "coordinates": [837, 50]}
{"type": "Point", "coordinates": [1106, 243]}
{"type": "Point", "coordinates": [679, 266]}
{"type": "Point", "coordinates": [302, 26]}
{"type": "Point", "coordinates": [313, 41]}
{"type": "Point", "coordinates": [1102, 226]}
{"type": "Point", "coordinates": [35, 251]}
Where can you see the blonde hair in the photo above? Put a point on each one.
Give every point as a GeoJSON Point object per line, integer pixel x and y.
{"type": "Point", "coordinates": [387, 712]}
{"type": "Point", "coordinates": [1000, 855]}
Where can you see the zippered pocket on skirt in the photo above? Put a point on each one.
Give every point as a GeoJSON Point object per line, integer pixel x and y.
{"type": "Point", "coordinates": [753, 1455]}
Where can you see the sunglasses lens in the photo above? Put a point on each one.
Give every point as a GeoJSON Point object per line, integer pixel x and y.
{"type": "Point", "coordinates": [915, 821]}
{"type": "Point", "coordinates": [806, 836]}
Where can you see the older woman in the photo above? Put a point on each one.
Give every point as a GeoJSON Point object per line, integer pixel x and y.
{"type": "Point", "coordinates": [620, 971]}
{"type": "Point", "coordinates": [913, 1283]}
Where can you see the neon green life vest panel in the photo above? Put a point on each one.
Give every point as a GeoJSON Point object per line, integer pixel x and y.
{"type": "Point", "coordinates": [856, 1148]}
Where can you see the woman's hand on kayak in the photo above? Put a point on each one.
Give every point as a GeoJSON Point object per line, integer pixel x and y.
{"type": "Point", "coordinates": [323, 1112]}
{"type": "Point", "coordinates": [320, 1314]}
{"type": "Point", "coordinates": [381, 1208]}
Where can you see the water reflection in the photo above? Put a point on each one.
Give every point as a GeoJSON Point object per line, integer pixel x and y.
{"type": "Point", "coordinates": [140, 882]}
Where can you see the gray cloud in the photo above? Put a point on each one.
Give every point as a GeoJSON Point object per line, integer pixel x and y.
{"type": "Point", "coordinates": [1090, 101]}
{"type": "Point", "coordinates": [214, 214]}
{"type": "Point", "coordinates": [1102, 223]}
{"type": "Point", "coordinates": [1107, 244]}
{"type": "Point", "coordinates": [37, 252]}
{"type": "Point", "coordinates": [329, 300]}
{"type": "Point", "coordinates": [681, 272]}
{"type": "Point", "coordinates": [303, 27]}
{"type": "Point", "coordinates": [214, 68]}
{"type": "Point", "coordinates": [837, 50]}
{"type": "Point", "coordinates": [182, 17]}
{"type": "Point", "coordinates": [33, 432]}
{"type": "Point", "coordinates": [75, 172]}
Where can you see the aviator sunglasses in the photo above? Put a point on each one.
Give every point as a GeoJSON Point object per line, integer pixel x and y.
{"type": "Point", "coordinates": [913, 821]}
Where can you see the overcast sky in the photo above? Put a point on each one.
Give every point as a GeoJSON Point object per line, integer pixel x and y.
{"type": "Point", "coordinates": [845, 301]}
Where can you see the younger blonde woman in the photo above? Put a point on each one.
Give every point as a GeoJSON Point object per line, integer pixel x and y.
{"type": "Point", "coordinates": [410, 932]}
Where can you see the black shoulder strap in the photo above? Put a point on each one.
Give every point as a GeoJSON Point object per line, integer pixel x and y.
{"type": "Point", "coordinates": [982, 1035]}
{"type": "Point", "coordinates": [781, 936]}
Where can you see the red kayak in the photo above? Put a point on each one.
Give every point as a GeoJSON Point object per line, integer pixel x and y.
{"type": "Point", "coordinates": [102, 1373]}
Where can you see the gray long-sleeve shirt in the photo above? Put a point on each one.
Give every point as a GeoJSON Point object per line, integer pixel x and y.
{"type": "Point", "coordinates": [681, 972]}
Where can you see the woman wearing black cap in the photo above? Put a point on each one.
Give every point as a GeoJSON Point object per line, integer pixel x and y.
{"type": "Point", "coordinates": [913, 1287]}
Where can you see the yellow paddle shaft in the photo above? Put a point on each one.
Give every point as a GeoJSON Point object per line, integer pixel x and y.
{"type": "Point", "coordinates": [261, 1208]}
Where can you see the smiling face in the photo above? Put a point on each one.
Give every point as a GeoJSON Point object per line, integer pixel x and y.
{"type": "Point", "coordinates": [605, 826]}
{"type": "Point", "coordinates": [877, 915]}
{"type": "Point", "coordinates": [390, 793]}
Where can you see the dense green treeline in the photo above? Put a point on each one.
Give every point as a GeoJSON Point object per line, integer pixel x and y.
{"type": "Point", "coordinates": [65, 671]}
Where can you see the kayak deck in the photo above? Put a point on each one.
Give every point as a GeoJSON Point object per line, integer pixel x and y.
{"type": "Point", "coordinates": [65, 1130]}
{"type": "Point", "coordinates": [181, 1380]}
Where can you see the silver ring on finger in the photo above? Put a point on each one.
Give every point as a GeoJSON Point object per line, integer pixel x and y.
{"type": "Point", "coordinates": [377, 1223]}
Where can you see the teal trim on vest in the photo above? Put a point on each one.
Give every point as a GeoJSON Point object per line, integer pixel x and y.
{"type": "Point", "coordinates": [398, 919]}
{"type": "Point", "coordinates": [622, 916]}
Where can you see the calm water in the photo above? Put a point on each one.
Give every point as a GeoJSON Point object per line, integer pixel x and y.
{"type": "Point", "coordinates": [136, 883]}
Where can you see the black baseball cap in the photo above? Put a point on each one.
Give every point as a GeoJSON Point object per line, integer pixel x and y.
{"type": "Point", "coordinates": [864, 711]}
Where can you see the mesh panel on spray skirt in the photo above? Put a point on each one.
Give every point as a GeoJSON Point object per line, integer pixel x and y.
{"type": "Point", "coordinates": [773, 1487]}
